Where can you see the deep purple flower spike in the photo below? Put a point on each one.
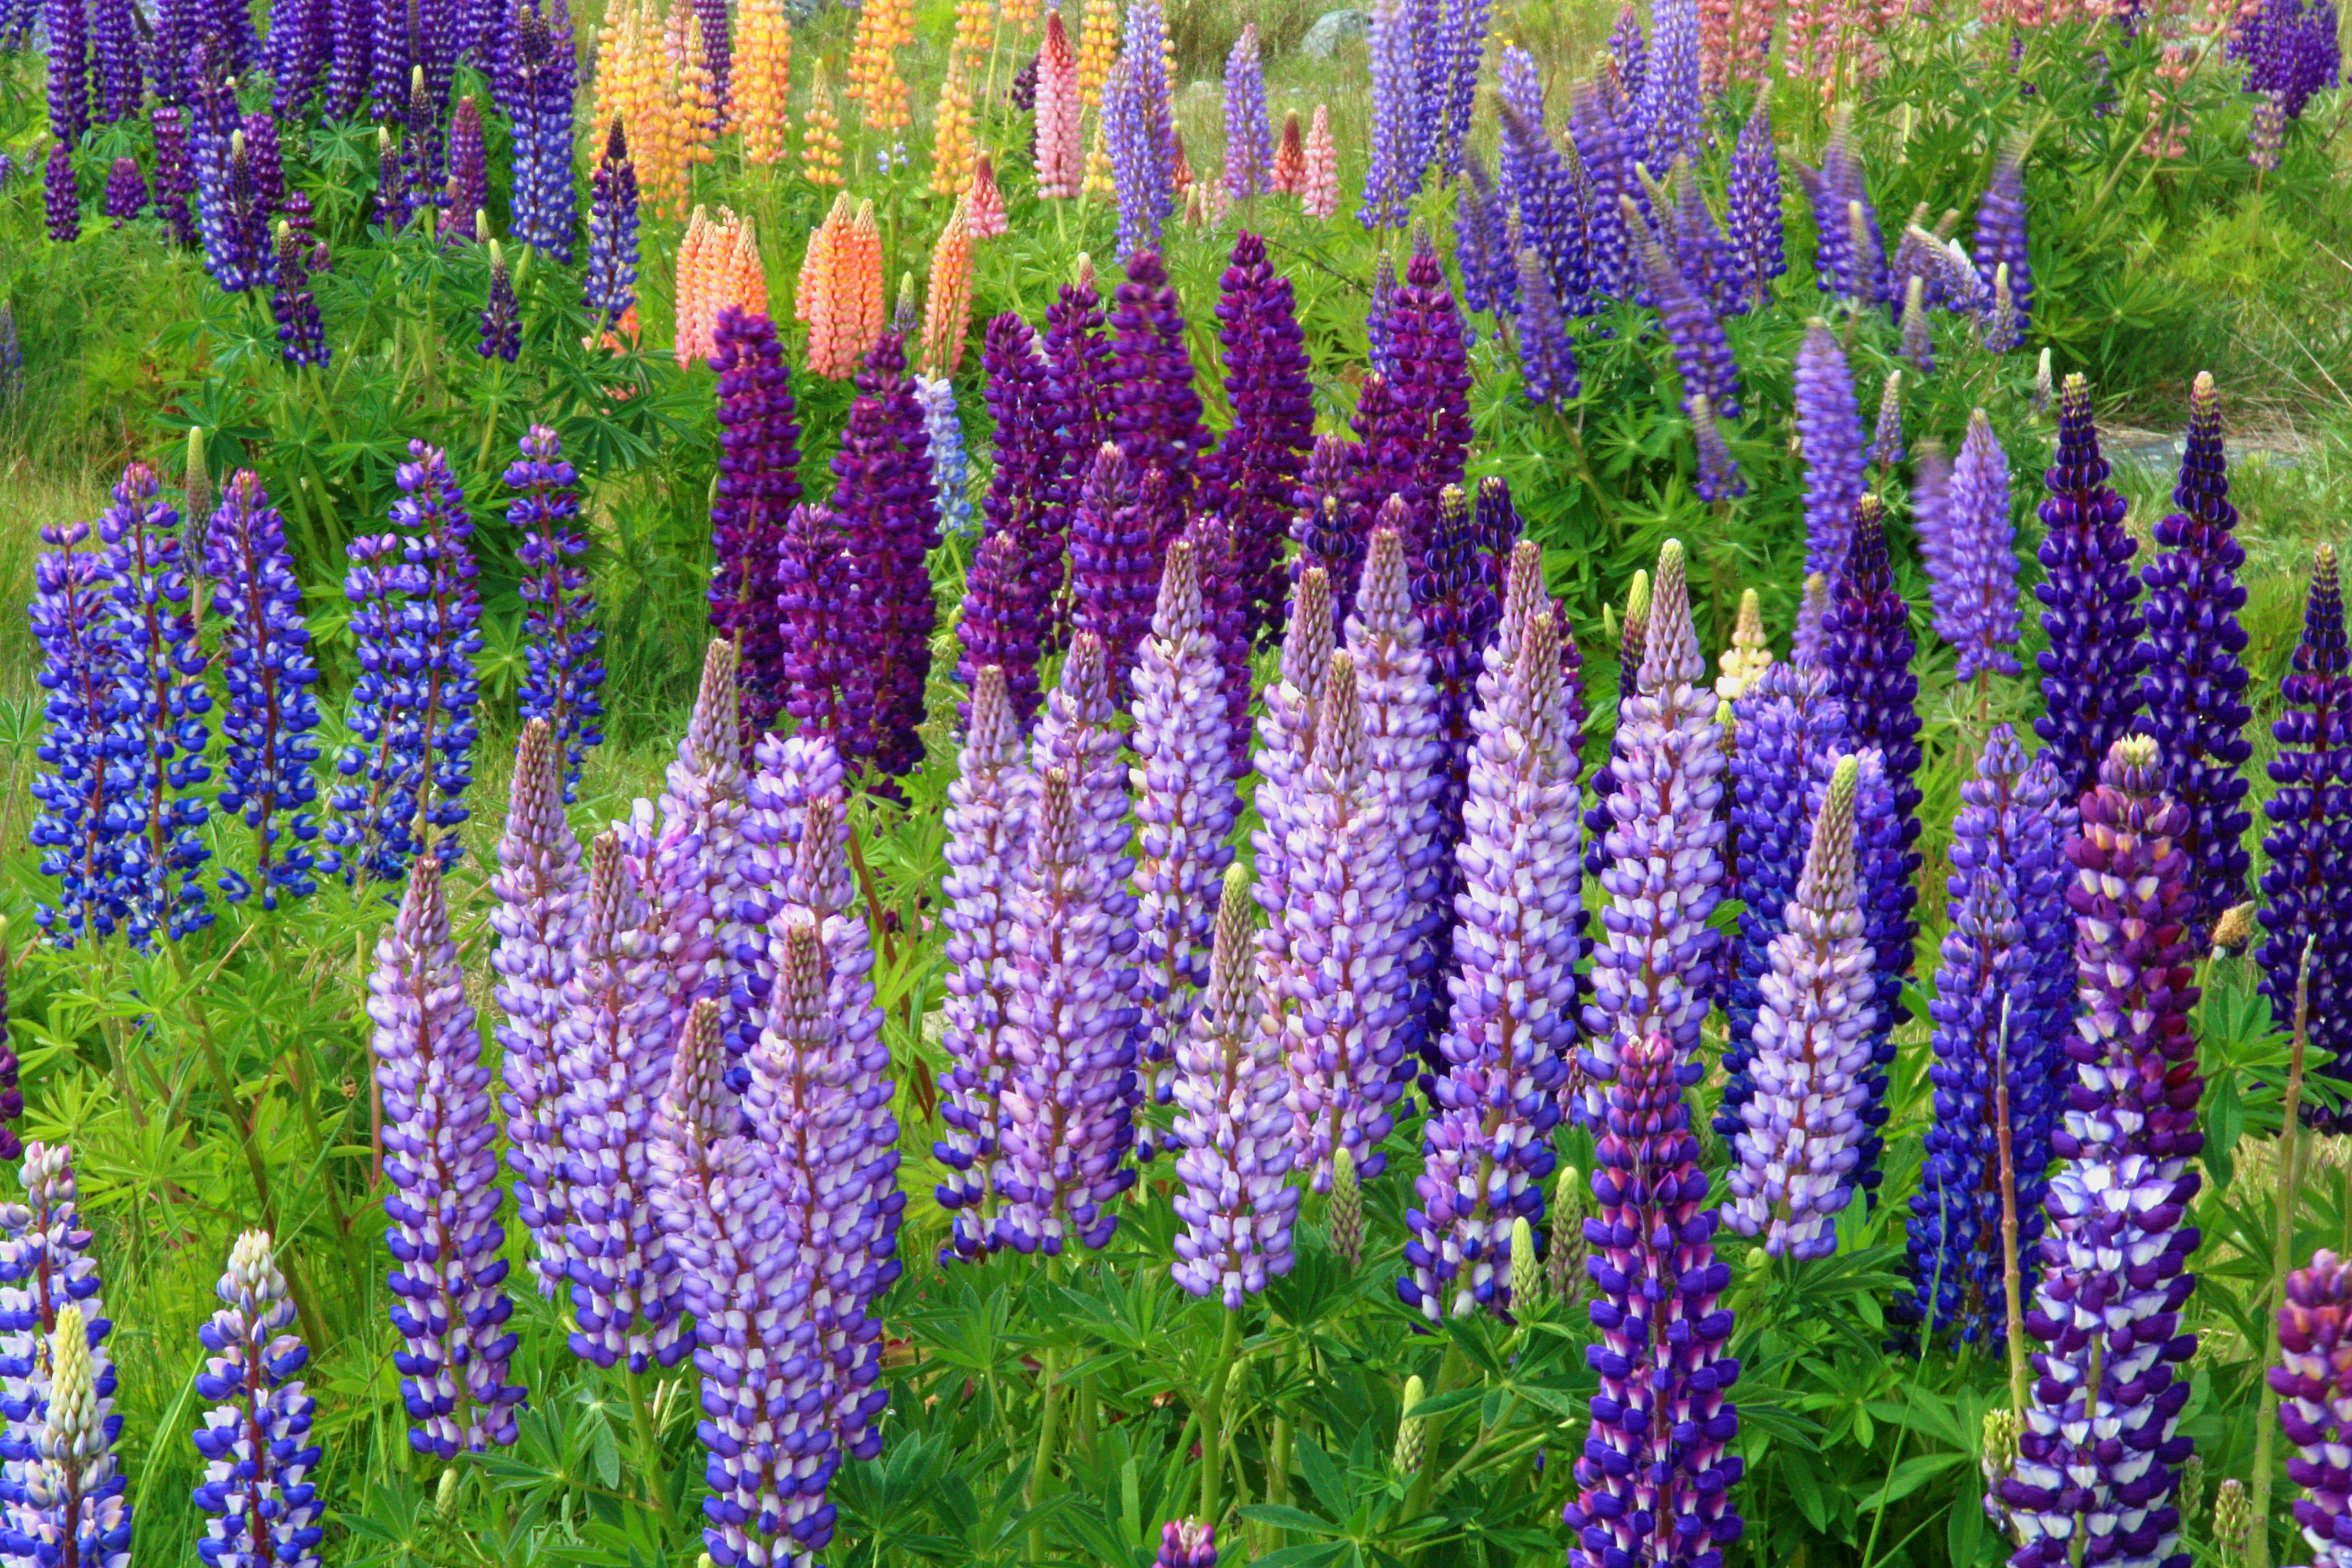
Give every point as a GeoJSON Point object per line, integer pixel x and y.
{"type": "Point", "coordinates": [2090, 603]}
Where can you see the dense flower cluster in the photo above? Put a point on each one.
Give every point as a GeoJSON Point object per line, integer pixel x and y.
{"type": "Point", "coordinates": [256, 1439]}
{"type": "Point", "coordinates": [565, 672]}
{"type": "Point", "coordinates": [2090, 603]}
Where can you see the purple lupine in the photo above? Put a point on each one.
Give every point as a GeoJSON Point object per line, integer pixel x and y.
{"type": "Point", "coordinates": [1323, 537]}
{"type": "Point", "coordinates": [68, 25]}
{"type": "Point", "coordinates": [160, 705]}
{"type": "Point", "coordinates": [1432, 387]}
{"type": "Point", "coordinates": [86, 785]}
{"type": "Point", "coordinates": [2308, 839]}
{"type": "Point", "coordinates": [2314, 1340]}
{"type": "Point", "coordinates": [1969, 545]}
{"type": "Point", "coordinates": [417, 614]}
{"type": "Point", "coordinates": [1698, 247]}
{"type": "Point", "coordinates": [758, 484]}
{"type": "Point", "coordinates": [565, 672]}
{"type": "Point", "coordinates": [1702, 353]}
{"type": "Point", "coordinates": [1548, 364]}
{"type": "Point", "coordinates": [2004, 1004]}
{"type": "Point", "coordinates": [541, 896]}
{"type": "Point", "coordinates": [260, 128]}
{"type": "Point", "coordinates": [1286, 733]}
{"type": "Point", "coordinates": [1799, 1146]}
{"type": "Point", "coordinates": [2000, 236]}
{"type": "Point", "coordinates": [1830, 439]}
{"type": "Point", "coordinates": [813, 595]}
{"type": "Point", "coordinates": [176, 179]}
{"type": "Point", "coordinates": [1151, 409]}
{"type": "Point", "coordinates": [351, 70]}
{"type": "Point", "coordinates": [1139, 130]}
{"type": "Point", "coordinates": [1629, 63]}
{"type": "Point", "coordinates": [1184, 806]}
{"type": "Point", "coordinates": [468, 194]}
{"type": "Point", "coordinates": [1717, 478]}
{"type": "Point", "coordinates": [301, 334]}
{"type": "Point", "coordinates": [1552, 202]}
{"type": "Point", "coordinates": [1394, 176]}
{"type": "Point", "coordinates": [1849, 258]}
{"type": "Point", "coordinates": [1021, 527]}
{"type": "Point", "coordinates": [1249, 138]}
{"type": "Point", "coordinates": [1112, 556]}
{"type": "Point", "coordinates": [255, 1441]}
{"type": "Point", "coordinates": [889, 515]}
{"type": "Point", "coordinates": [1655, 966]}
{"type": "Point", "coordinates": [126, 191]}
{"type": "Point", "coordinates": [1653, 1483]}
{"type": "Point", "coordinates": [1255, 471]}
{"type": "Point", "coordinates": [2195, 683]}
{"type": "Point", "coordinates": [541, 106]}
{"type": "Point", "coordinates": [61, 196]}
{"type": "Point", "coordinates": [1234, 1131]}
{"type": "Point", "coordinates": [610, 282]}
{"type": "Point", "coordinates": [2090, 599]}
{"type": "Point", "coordinates": [114, 49]}
{"type": "Point", "coordinates": [1752, 206]}
{"type": "Point", "coordinates": [1462, 53]}
{"type": "Point", "coordinates": [1346, 926]}
{"type": "Point", "coordinates": [987, 823]}
{"type": "Point", "coordinates": [1075, 410]}
{"type": "Point", "coordinates": [1887, 431]}
{"type": "Point", "coordinates": [502, 318]}
{"type": "Point", "coordinates": [1670, 110]}
{"type": "Point", "coordinates": [297, 53]}
{"type": "Point", "coordinates": [1513, 1019]}
{"type": "Point", "coordinates": [235, 223]}
{"type": "Point", "coordinates": [2113, 1338]}
{"type": "Point", "coordinates": [990, 628]}
{"type": "Point", "coordinates": [269, 720]}
{"type": "Point", "coordinates": [449, 1305]}
{"type": "Point", "coordinates": [1789, 729]}
{"type": "Point", "coordinates": [1608, 163]}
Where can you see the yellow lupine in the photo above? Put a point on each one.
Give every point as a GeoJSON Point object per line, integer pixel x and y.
{"type": "Point", "coordinates": [1099, 171]}
{"type": "Point", "coordinates": [952, 144]}
{"type": "Point", "coordinates": [759, 82]}
{"type": "Point", "coordinates": [1097, 50]}
{"type": "Point", "coordinates": [821, 134]}
{"type": "Point", "coordinates": [698, 95]}
{"type": "Point", "coordinates": [973, 29]}
{"type": "Point", "coordinates": [884, 27]}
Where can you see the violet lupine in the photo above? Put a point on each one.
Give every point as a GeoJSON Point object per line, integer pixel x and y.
{"type": "Point", "coordinates": [2307, 844]}
{"type": "Point", "coordinates": [1020, 526]}
{"type": "Point", "coordinates": [1111, 555]}
{"type": "Point", "coordinates": [541, 105]}
{"type": "Point", "coordinates": [990, 628]}
{"type": "Point", "coordinates": [2004, 1008]}
{"type": "Point", "coordinates": [1184, 808]}
{"type": "Point", "coordinates": [564, 669]}
{"type": "Point", "coordinates": [1548, 364]}
{"type": "Point", "coordinates": [84, 786]}
{"type": "Point", "coordinates": [2001, 238]}
{"type": "Point", "coordinates": [47, 1269]}
{"type": "Point", "coordinates": [301, 335]}
{"type": "Point", "coordinates": [610, 282]}
{"type": "Point", "coordinates": [1148, 406]}
{"type": "Point", "coordinates": [2096, 1464]}
{"type": "Point", "coordinates": [175, 174]}
{"type": "Point", "coordinates": [1258, 462]}
{"type": "Point", "coordinates": [757, 487]}
{"type": "Point", "coordinates": [987, 823]}
{"type": "Point", "coordinates": [2316, 1399]}
{"type": "Point", "coordinates": [1512, 1024]}
{"type": "Point", "coordinates": [160, 704]}
{"type": "Point", "coordinates": [256, 1439]}
{"type": "Point", "coordinates": [1670, 110]}
{"type": "Point", "coordinates": [1450, 98]}
{"type": "Point", "coordinates": [351, 69]}
{"type": "Point", "coordinates": [1653, 1483]}
{"type": "Point", "coordinates": [1849, 258]}
{"type": "Point", "coordinates": [1430, 428]}
{"type": "Point", "coordinates": [449, 1304]}
{"type": "Point", "coordinates": [1346, 928]}
{"type": "Point", "coordinates": [1702, 353]}
{"type": "Point", "coordinates": [417, 614]}
{"type": "Point", "coordinates": [1629, 62]}
{"type": "Point", "coordinates": [297, 53]}
{"type": "Point", "coordinates": [1140, 130]}
{"type": "Point", "coordinates": [468, 195]}
{"type": "Point", "coordinates": [1887, 431]}
{"type": "Point", "coordinates": [1970, 547]}
{"type": "Point", "coordinates": [68, 25]}
{"type": "Point", "coordinates": [2090, 599]}
{"type": "Point", "coordinates": [813, 582]}
{"type": "Point", "coordinates": [1655, 966]}
{"type": "Point", "coordinates": [1830, 440]}
{"type": "Point", "coordinates": [126, 191]}
{"type": "Point", "coordinates": [234, 222]}
{"type": "Point", "coordinates": [269, 720]}
{"type": "Point", "coordinates": [1752, 206]}
{"type": "Point", "coordinates": [2195, 681]}
{"type": "Point", "coordinates": [541, 893]}
{"type": "Point", "coordinates": [1554, 199]}
{"type": "Point", "coordinates": [1187, 1544]}
{"type": "Point", "coordinates": [114, 54]}
{"type": "Point", "coordinates": [1394, 176]}
{"type": "Point", "coordinates": [1519, 96]}
{"type": "Point", "coordinates": [1249, 138]}
{"type": "Point", "coordinates": [1286, 731]}
{"type": "Point", "coordinates": [73, 1510]}
{"type": "Point", "coordinates": [1697, 246]}
{"type": "Point", "coordinates": [1717, 478]}
{"type": "Point", "coordinates": [1232, 1131]}
{"type": "Point", "coordinates": [889, 515]}
{"type": "Point", "coordinates": [1483, 234]}
{"type": "Point", "coordinates": [501, 320]}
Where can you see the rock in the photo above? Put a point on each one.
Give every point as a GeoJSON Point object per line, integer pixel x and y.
{"type": "Point", "coordinates": [1331, 29]}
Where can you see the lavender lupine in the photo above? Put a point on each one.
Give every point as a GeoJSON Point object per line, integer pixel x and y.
{"type": "Point", "coordinates": [1887, 431]}
{"type": "Point", "coordinates": [269, 718]}
{"type": "Point", "coordinates": [542, 892]}
{"type": "Point", "coordinates": [2315, 1335]}
{"type": "Point", "coordinates": [889, 517]}
{"type": "Point", "coordinates": [1341, 965]}
{"type": "Point", "coordinates": [256, 1439]}
{"type": "Point", "coordinates": [301, 334]}
{"type": "Point", "coordinates": [449, 1304]}
{"type": "Point", "coordinates": [86, 786]}
{"type": "Point", "coordinates": [1184, 806]}
{"type": "Point", "coordinates": [1258, 462]}
{"type": "Point", "coordinates": [1654, 1483]}
{"type": "Point", "coordinates": [1510, 1030]}
{"type": "Point", "coordinates": [1232, 1129]}
{"type": "Point", "coordinates": [1140, 136]}
{"type": "Point", "coordinates": [1655, 966]}
{"type": "Point", "coordinates": [2090, 598]}
{"type": "Point", "coordinates": [2096, 1467]}
{"type": "Point", "coordinates": [565, 672]}
{"type": "Point", "coordinates": [758, 484]}
{"type": "Point", "coordinates": [501, 318]}
{"type": "Point", "coordinates": [610, 284]}
{"type": "Point", "coordinates": [2195, 681]}
{"type": "Point", "coordinates": [2004, 1006]}
{"type": "Point", "coordinates": [2000, 236]}
{"type": "Point", "coordinates": [1249, 138]}
{"type": "Point", "coordinates": [1702, 353]}
{"type": "Point", "coordinates": [1970, 547]}
{"type": "Point", "coordinates": [1830, 439]}
{"type": "Point", "coordinates": [1287, 731]}
{"type": "Point", "coordinates": [2309, 839]}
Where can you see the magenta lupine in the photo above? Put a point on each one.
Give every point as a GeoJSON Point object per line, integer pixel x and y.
{"type": "Point", "coordinates": [2314, 1340]}
{"type": "Point", "coordinates": [1249, 140]}
{"type": "Point", "coordinates": [1654, 1483]}
{"type": "Point", "coordinates": [1800, 1143]}
{"type": "Point", "coordinates": [2090, 603]}
{"type": "Point", "coordinates": [1830, 439]}
{"type": "Point", "coordinates": [1185, 806]}
{"type": "Point", "coordinates": [1512, 1024]}
{"type": "Point", "coordinates": [1233, 1128]}
{"type": "Point", "coordinates": [1655, 968]}
{"type": "Point", "coordinates": [449, 1306]}
{"type": "Point", "coordinates": [542, 892]}
{"type": "Point", "coordinates": [2195, 681]}
{"type": "Point", "coordinates": [1252, 476]}
{"type": "Point", "coordinates": [1970, 547]}
{"type": "Point", "coordinates": [757, 486]}
{"type": "Point", "coordinates": [987, 822]}
{"type": "Point", "coordinates": [889, 517]}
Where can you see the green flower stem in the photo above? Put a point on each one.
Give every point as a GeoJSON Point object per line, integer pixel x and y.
{"type": "Point", "coordinates": [1213, 1404]}
{"type": "Point", "coordinates": [2258, 1538]}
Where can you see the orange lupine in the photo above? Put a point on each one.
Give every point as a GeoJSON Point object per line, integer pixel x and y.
{"type": "Point", "coordinates": [819, 299]}
{"type": "Point", "coordinates": [972, 34]}
{"type": "Point", "coordinates": [947, 310]}
{"type": "Point", "coordinates": [951, 149]}
{"type": "Point", "coordinates": [884, 27]}
{"type": "Point", "coordinates": [694, 310]}
{"type": "Point", "coordinates": [864, 277]}
{"type": "Point", "coordinates": [698, 95]}
{"type": "Point", "coordinates": [821, 134]}
{"type": "Point", "coordinates": [759, 82]}
{"type": "Point", "coordinates": [1099, 171]}
{"type": "Point", "coordinates": [747, 275]}
{"type": "Point", "coordinates": [985, 204]}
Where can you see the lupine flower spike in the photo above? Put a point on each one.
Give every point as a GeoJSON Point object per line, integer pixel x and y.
{"type": "Point", "coordinates": [255, 1440]}
{"type": "Point", "coordinates": [2090, 603]}
{"type": "Point", "coordinates": [2314, 1338]}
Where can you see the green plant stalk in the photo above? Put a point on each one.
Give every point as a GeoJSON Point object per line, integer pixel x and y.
{"type": "Point", "coordinates": [2258, 1492]}
{"type": "Point", "coordinates": [1212, 1405]}
{"type": "Point", "coordinates": [2012, 1280]}
{"type": "Point", "coordinates": [1450, 1373]}
{"type": "Point", "coordinates": [641, 1418]}
{"type": "Point", "coordinates": [1048, 1432]}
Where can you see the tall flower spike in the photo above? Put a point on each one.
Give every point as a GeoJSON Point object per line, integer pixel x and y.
{"type": "Point", "coordinates": [610, 284]}
{"type": "Point", "coordinates": [2195, 681]}
{"type": "Point", "coordinates": [12, 1097]}
{"type": "Point", "coordinates": [2310, 835]}
{"type": "Point", "coordinates": [73, 1504]}
{"type": "Point", "coordinates": [255, 1440]}
{"type": "Point", "coordinates": [1249, 142]}
{"type": "Point", "coordinates": [84, 787]}
{"type": "Point", "coordinates": [1798, 1147]}
{"type": "Point", "coordinates": [1232, 1127]}
{"type": "Point", "coordinates": [1886, 432]}
{"type": "Point", "coordinates": [300, 332]}
{"type": "Point", "coordinates": [2090, 598]}
{"type": "Point", "coordinates": [1752, 206]}
{"type": "Point", "coordinates": [1060, 145]}
{"type": "Point", "coordinates": [1318, 192]}
{"type": "Point", "coordinates": [757, 487]}
{"type": "Point", "coordinates": [1830, 437]}
{"type": "Point", "coordinates": [1655, 967]}
{"type": "Point", "coordinates": [1185, 806]}
{"type": "Point", "coordinates": [2315, 1335]}
{"type": "Point", "coordinates": [889, 514]}
{"type": "Point", "coordinates": [1510, 1030]}
{"type": "Point", "coordinates": [1007, 597]}
{"type": "Point", "coordinates": [1394, 176]}
{"type": "Point", "coordinates": [1632, 642]}
{"type": "Point", "coordinates": [1151, 410]}
{"type": "Point", "coordinates": [565, 672]}
{"type": "Point", "coordinates": [1654, 1482]}
{"type": "Point", "coordinates": [47, 1269]}
{"type": "Point", "coordinates": [1975, 591]}
{"type": "Point", "coordinates": [1258, 462]}
{"type": "Point", "coordinates": [2000, 236]}
{"type": "Point", "coordinates": [1111, 551]}
{"type": "Point", "coordinates": [449, 1305]}
{"type": "Point", "coordinates": [1286, 730]}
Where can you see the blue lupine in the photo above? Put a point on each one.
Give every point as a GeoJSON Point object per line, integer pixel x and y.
{"type": "Point", "coordinates": [1830, 440]}
{"type": "Point", "coordinates": [256, 1439]}
{"type": "Point", "coordinates": [46, 1271]}
{"type": "Point", "coordinates": [1394, 176]}
{"type": "Point", "coordinates": [270, 717]}
{"type": "Point", "coordinates": [1547, 357]}
{"type": "Point", "coordinates": [1849, 257]}
{"type": "Point", "coordinates": [562, 638]}
{"type": "Point", "coordinates": [2000, 236]}
{"type": "Point", "coordinates": [1608, 163]}
{"type": "Point", "coordinates": [1702, 353]}
{"type": "Point", "coordinates": [1970, 546]}
{"type": "Point", "coordinates": [610, 282]}
{"type": "Point", "coordinates": [84, 787]}
{"type": "Point", "coordinates": [1752, 206]}
{"type": "Point", "coordinates": [943, 433]}
{"type": "Point", "coordinates": [501, 335]}
{"type": "Point", "coordinates": [1669, 107]}
{"type": "Point", "coordinates": [2090, 599]}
